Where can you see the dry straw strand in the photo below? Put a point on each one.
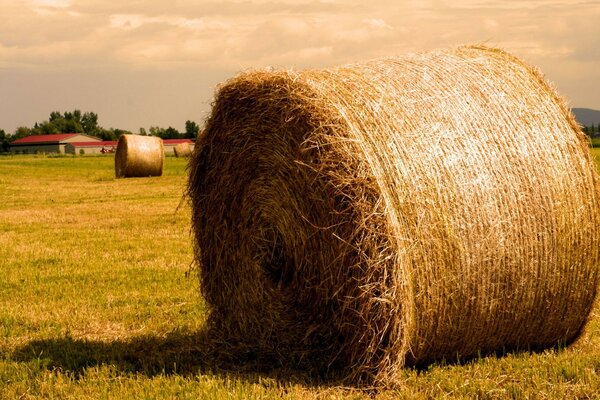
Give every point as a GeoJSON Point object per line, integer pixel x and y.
{"type": "Point", "coordinates": [394, 212]}
{"type": "Point", "coordinates": [139, 156]}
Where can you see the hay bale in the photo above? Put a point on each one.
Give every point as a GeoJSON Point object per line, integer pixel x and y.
{"type": "Point", "coordinates": [182, 150]}
{"type": "Point", "coordinates": [139, 156]}
{"type": "Point", "coordinates": [395, 212]}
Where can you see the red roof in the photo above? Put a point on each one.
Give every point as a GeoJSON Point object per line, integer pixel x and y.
{"type": "Point", "coordinates": [93, 144]}
{"type": "Point", "coordinates": [177, 141]}
{"type": "Point", "coordinates": [44, 138]}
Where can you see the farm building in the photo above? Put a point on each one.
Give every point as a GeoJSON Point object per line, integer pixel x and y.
{"type": "Point", "coordinates": [56, 143]}
{"type": "Point", "coordinates": [169, 144]}
{"type": "Point", "coordinates": [76, 143]}
{"type": "Point", "coordinates": [91, 147]}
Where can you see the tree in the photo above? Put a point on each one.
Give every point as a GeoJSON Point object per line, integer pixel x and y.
{"type": "Point", "coordinates": [45, 128]}
{"type": "Point", "coordinates": [106, 134]}
{"type": "Point", "coordinates": [171, 133]}
{"type": "Point", "coordinates": [191, 129]}
{"type": "Point", "coordinates": [55, 115]}
{"type": "Point", "coordinates": [156, 131]}
{"type": "Point", "coordinates": [21, 132]}
{"type": "Point", "coordinates": [70, 125]}
{"type": "Point", "coordinates": [120, 132]}
{"type": "Point", "coordinates": [89, 122]}
{"type": "Point", "coordinates": [70, 122]}
{"type": "Point", "coordinates": [4, 140]}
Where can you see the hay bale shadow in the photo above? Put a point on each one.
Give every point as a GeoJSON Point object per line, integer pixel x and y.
{"type": "Point", "coordinates": [179, 353]}
{"type": "Point", "coordinates": [189, 354]}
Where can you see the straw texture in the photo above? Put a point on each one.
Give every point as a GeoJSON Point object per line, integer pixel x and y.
{"type": "Point", "coordinates": [182, 150]}
{"type": "Point", "coordinates": [139, 156]}
{"type": "Point", "coordinates": [394, 212]}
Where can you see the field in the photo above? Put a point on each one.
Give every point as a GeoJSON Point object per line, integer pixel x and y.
{"type": "Point", "coordinates": [99, 299]}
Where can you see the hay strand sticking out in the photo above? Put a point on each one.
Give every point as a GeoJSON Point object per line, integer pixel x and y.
{"type": "Point", "coordinates": [182, 150]}
{"type": "Point", "coordinates": [395, 212]}
{"type": "Point", "coordinates": [139, 156]}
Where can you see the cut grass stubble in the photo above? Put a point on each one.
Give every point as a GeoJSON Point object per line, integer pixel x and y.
{"type": "Point", "coordinates": [96, 301]}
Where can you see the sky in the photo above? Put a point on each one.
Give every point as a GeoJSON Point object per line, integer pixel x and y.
{"type": "Point", "coordinates": [157, 62]}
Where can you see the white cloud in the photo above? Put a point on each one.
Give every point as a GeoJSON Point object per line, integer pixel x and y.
{"type": "Point", "coordinates": [250, 33]}
{"type": "Point", "coordinates": [134, 21]}
{"type": "Point", "coordinates": [50, 3]}
{"type": "Point", "coordinates": [376, 23]}
{"type": "Point", "coordinates": [232, 35]}
{"type": "Point", "coordinates": [490, 24]}
{"type": "Point", "coordinates": [45, 8]}
{"type": "Point", "coordinates": [128, 21]}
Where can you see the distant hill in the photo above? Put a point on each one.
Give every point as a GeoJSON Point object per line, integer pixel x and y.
{"type": "Point", "coordinates": [587, 116]}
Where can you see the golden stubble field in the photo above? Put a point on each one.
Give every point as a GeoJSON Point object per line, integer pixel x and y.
{"type": "Point", "coordinates": [98, 299]}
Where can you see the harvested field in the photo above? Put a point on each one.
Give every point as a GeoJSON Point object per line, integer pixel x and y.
{"type": "Point", "coordinates": [93, 305]}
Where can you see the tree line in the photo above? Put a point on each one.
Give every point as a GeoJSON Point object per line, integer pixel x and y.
{"type": "Point", "coordinates": [593, 130]}
{"type": "Point", "coordinates": [87, 123]}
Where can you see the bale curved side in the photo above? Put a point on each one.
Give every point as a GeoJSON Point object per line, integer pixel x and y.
{"type": "Point", "coordinates": [139, 156]}
{"type": "Point", "coordinates": [395, 212]}
{"type": "Point", "coordinates": [182, 150]}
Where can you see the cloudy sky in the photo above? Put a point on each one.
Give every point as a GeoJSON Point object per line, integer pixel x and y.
{"type": "Point", "coordinates": [156, 62]}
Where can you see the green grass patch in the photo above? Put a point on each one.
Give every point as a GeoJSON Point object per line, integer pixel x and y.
{"type": "Point", "coordinates": [596, 156]}
{"type": "Point", "coordinates": [595, 142]}
{"type": "Point", "coordinates": [97, 301]}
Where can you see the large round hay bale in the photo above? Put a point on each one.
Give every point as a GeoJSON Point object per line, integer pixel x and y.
{"type": "Point", "coordinates": [139, 156]}
{"type": "Point", "coordinates": [395, 212]}
{"type": "Point", "coordinates": [182, 150]}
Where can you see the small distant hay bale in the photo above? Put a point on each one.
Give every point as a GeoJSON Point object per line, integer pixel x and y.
{"type": "Point", "coordinates": [395, 213]}
{"type": "Point", "coordinates": [139, 156]}
{"type": "Point", "coordinates": [182, 150]}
